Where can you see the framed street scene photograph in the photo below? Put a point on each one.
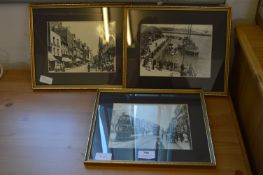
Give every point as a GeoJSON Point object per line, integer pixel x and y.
{"type": "Point", "coordinates": [76, 46]}
{"type": "Point", "coordinates": [150, 127]}
{"type": "Point", "coordinates": [178, 48]}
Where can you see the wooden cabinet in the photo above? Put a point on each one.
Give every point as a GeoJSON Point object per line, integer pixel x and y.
{"type": "Point", "coordinates": [247, 91]}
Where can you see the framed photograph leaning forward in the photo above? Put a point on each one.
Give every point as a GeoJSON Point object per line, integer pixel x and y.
{"type": "Point", "coordinates": [150, 127]}
{"type": "Point", "coordinates": [76, 46]}
{"type": "Point", "coordinates": [178, 48]}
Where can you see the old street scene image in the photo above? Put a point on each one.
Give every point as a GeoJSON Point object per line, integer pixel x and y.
{"type": "Point", "coordinates": [176, 50]}
{"type": "Point", "coordinates": [80, 47]}
{"type": "Point", "coordinates": [150, 126]}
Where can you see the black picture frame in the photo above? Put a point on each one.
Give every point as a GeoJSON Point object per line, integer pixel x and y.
{"type": "Point", "coordinates": [216, 21]}
{"type": "Point", "coordinates": [69, 49]}
{"type": "Point", "coordinates": [147, 127]}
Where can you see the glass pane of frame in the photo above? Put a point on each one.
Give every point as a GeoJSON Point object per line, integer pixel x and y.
{"type": "Point", "coordinates": [150, 127]}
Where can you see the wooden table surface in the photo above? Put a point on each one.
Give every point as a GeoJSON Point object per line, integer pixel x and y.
{"type": "Point", "coordinates": [45, 132]}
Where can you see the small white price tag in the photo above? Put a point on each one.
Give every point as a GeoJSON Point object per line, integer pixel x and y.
{"type": "Point", "coordinates": [103, 156]}
{"type": "Point", "coordinates": [146, 154]}
{"type": "Point", "coordinates": [45, 79]}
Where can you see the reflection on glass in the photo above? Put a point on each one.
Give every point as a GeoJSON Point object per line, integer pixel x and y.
{"type": "Point", "coordinates": [106, 23]}
{"type": "Point", "coordinates": [129, 40]}
{"type": "Point", "coordinates": [146, 95]}
{"type": "Point", "coordinates": [102, 136]}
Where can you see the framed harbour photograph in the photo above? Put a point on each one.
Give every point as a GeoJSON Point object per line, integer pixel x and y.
{"type": "Point", "coordinates": [178, 48]}
{"type": "Point", "coordinates": [150, 127]}
{"type": "Point", "coordinates": [76, 46]}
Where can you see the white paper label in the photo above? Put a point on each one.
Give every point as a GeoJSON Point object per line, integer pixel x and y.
{"type": "Point", "coordinates": [45, 79]}
{"type": "Point", "coordinates": [146, 154]}
{"type": "Point", "coordinates": [103, 156]}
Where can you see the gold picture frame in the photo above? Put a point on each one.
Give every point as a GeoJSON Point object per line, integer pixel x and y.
{"type": "Point", "coordinates": [64, 56]}
{"type": "Point", "coordinates": [147, 140]}
{"type": "Point", "coordinates": [140, 19]}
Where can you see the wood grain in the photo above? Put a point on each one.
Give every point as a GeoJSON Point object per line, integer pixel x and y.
{"type": "Point", "coordinates": [247, 91]}
{"type": "Point", "coordinates": [45, 132]}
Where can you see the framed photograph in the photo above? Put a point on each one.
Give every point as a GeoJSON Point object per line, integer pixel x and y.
{"type": "Point", "coordinates": [150, 127]}
{"type": "Point", "coordinates": [178, 48]}
{"type": "Point", "coordinates": [76, 46]}
{"type": "Point", "coordinates": [259, 14]}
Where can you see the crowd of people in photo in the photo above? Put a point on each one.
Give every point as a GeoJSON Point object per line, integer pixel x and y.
{"type": "Point", "coordinates": [167, 59]}
{"type": "Point", "coordinates": [178, 130]}
{"type": "Point", "coordinates": [148, 52]}
{"type": "Point", "coordinates": [102, 64]}
{"type": "Point", "coordinates": [95, 64]}
{"type": "Point", "coordinates": [178, 134]}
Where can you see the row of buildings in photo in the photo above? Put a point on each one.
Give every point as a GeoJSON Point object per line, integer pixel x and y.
{"type": "Point", "coordinates": [65, 50]}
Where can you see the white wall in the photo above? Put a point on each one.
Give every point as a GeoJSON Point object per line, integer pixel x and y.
{"type": "Point", "coordinates": [14, 35]}
{"type": "Point", "coordinates": [14, 30]}
{"type": "Point", "coordinates": [243, 11]}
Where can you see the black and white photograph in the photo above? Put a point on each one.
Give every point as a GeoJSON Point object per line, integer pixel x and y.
{"type": "Point", "coordinates": [150, 126]}
{"type": "Point", "coordinates": [176, 50]}
{"type": "Point", "coordinates": [81, 47]}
